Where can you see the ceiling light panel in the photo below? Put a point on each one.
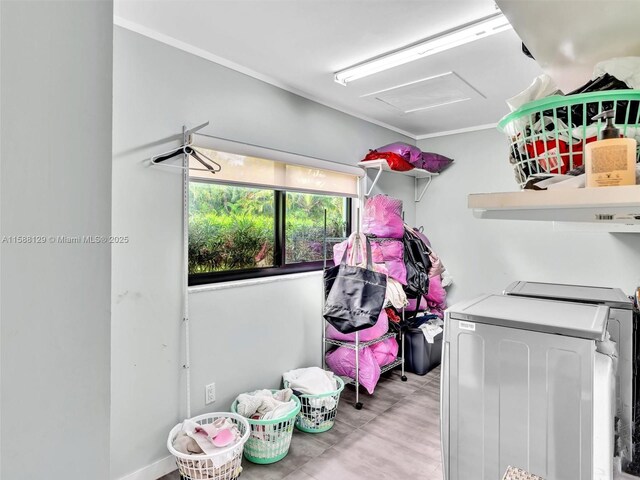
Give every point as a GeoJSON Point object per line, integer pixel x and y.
{"type": "Point", "coordinates": [427, 93]}
{"type": "Point", "coordinates": [461, 35]}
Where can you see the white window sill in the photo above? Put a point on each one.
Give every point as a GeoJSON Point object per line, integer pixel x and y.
{"type": "Point", "coordinates": [253, 281]}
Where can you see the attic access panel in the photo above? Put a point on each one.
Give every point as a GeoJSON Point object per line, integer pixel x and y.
{"type": "Point", "coordinates": [427, 93]}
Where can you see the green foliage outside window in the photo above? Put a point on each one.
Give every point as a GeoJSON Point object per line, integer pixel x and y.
{"type": "Point", "coordinates": [232, 228]}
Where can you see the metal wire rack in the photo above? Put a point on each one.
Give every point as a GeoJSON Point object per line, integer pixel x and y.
{"type": "Point", "coordinates": [358, 345]}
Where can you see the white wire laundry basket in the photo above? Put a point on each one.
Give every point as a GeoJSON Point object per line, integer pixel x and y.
{"type": "Point", "coordinates": [318, 412]}
{"type": "Point", "coordinates": [225, 464]}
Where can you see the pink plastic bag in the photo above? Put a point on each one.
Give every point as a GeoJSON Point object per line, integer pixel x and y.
{"type": "Point", "coordinates": [385, 352]}
{"type": "Point", "coordinates": [393, 256]}
{"type": "Point", "coordinates": [342, 361]}
{"type": "Point", "coordinates": [383, 217]}
{"type": "Point", "coordinates": [380, 328]}
{"type": "Point", "coordinates": [376, 252]}
{"type": "Point", "coordinates": [389, 252]}
{"type": "Point", "coordinates": [376, 255]}
{"type": "Point", "coordinates": [437, 296]}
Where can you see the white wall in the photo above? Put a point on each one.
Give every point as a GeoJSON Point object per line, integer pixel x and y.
{"type": "Point", "coordinates": [56, 103]}
{"type": "Point", "coordinates": [484, 256]}
{"type": "Point", "coordinates": [245, 337]}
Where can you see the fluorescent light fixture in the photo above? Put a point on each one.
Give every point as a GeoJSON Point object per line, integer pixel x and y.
{"type": "Point", "coordinates": [467, 33]}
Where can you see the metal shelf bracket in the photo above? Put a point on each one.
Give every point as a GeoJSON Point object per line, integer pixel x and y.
{"type": "Point", "coordinates": [375, 180]}
{"type": "Point", "coordinates": [382, 166]}
{"type": "Point", "coordinates": [418, 198]}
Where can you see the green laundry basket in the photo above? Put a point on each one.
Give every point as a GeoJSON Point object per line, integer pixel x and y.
{"type": "Point", "coordinates": [548, 136]}
{"type": "Point", "coordinates": [269, 440]}
{"type": "Point", "coordinates": [318, 412]}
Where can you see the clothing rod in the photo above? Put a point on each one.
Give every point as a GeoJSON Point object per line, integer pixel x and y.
{"type": "Point", "coordinates": [213, 142]}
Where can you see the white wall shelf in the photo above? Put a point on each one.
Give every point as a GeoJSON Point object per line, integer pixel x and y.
{"type": "Point", "coordinates": [383, 166]}
{"type": "Point", "coordinates": [617, 207]}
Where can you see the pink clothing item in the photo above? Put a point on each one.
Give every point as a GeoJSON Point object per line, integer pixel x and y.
{"type": "Point", "coordinates": [383, 217]}
{"type": "Point", "coordinates": [342, 361]}
{"type": "Point", "coordinates": [437, 297]}
{"type": "Point", "coordinates": [380, 328]}
{"type": "Point", "coordinates": [437, 267]}
{"type": "Point", "coordinates": [385, 352]}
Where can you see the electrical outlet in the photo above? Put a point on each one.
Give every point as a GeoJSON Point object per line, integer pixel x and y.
{"type": "Point", "coordinates": [210, 393]}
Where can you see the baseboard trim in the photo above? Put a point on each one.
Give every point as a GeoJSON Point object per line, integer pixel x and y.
{"type": "Point", "coordinates": [153, 471]}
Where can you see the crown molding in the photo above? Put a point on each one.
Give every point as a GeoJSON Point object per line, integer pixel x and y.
{"type": "Point", "coordinates": [187, 47]}
{"type": "Point", "coordinates": [475, 128]}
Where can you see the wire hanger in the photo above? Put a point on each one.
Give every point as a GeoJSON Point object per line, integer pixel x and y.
{"type": "Point", "coordinates": [188, 149]}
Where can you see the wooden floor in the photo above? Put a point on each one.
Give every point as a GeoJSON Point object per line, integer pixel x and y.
{"type": "Point", "coordinates": [395, 436]}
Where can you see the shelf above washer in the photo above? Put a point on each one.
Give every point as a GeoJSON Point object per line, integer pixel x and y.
{"type": "Point", "coordinates": [383, 166]}
{"type": "Point", "coordinates": [617, 209]}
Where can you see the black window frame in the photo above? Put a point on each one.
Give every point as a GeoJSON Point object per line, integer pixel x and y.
{"type": "Point", "coordinates": [279, 254]}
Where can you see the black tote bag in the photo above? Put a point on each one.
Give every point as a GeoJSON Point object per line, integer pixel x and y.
{"type": "Point", "coordinates": [355, 295]}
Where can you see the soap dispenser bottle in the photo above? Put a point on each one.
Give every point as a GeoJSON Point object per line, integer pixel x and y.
{"type": "Point", "coordinates": [610, 161]}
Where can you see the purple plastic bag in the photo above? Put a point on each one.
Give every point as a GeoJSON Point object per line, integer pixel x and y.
{"type": "Point", "coordinates": [433, 162]}
{"type": "Point", "coordinates": [410, 153]}
{"type": "Point", "coordinates": [383, 217]}
{"type": "Point", "coordinates": [342, 361]}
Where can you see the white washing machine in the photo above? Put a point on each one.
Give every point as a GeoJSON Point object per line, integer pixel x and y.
{"type": "Point", "coordinates": [523, 385]}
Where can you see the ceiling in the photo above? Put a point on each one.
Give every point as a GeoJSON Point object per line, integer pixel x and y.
{"type": "Point", "coordinates": [299, 44]}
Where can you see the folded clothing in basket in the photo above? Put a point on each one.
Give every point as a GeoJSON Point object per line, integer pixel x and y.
{"type": "Point", "coordinates": [265, 404]}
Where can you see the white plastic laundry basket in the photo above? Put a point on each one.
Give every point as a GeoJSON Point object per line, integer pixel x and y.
{"type": "Point", "coordinates": [225, 464]}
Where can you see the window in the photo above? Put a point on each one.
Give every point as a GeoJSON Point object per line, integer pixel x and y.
{"type": "Point", "coordinates": [239, 231]}
{"type": "Point", "coordinates": [230, 228]}
{"type": "Point", "coordinates": [304, 231]}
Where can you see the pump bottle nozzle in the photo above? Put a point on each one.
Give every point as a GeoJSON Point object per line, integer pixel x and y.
{"type": "Point", "coordinates": [610, 131]}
